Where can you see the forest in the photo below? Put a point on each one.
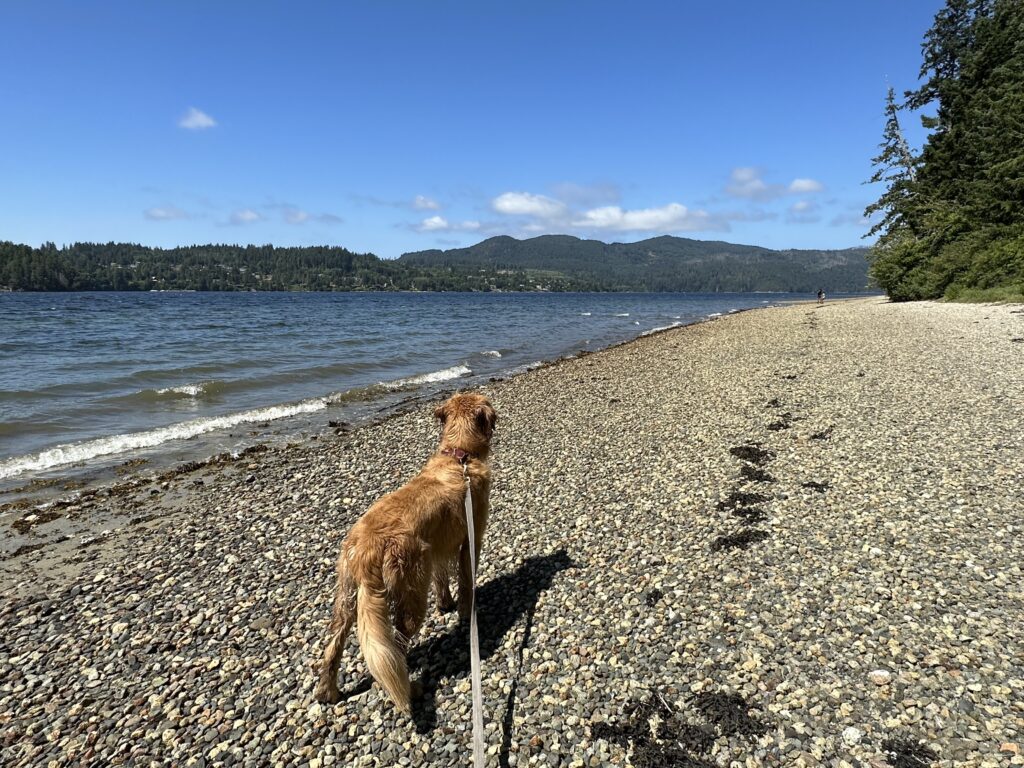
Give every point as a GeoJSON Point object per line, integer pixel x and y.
{"type": "Point", "coordinates": [950, 221]}
{"type": "Point", "coordinates": [553, 263]}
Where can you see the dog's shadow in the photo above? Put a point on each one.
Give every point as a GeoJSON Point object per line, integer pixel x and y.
{"type": "Point", "coordinates": [500, 604]}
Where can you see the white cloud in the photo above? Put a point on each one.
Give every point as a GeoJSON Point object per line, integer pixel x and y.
{"type": "Point", "coordinates": [196, 120]}
{"type": "Point", "coordinates": [434, 224]}
{"type": "Point", "coordinates": [527, 204]}
{"type": "Point", "coordinates": [669, 218]}
{"type": "Point", "coordinates": [804, 186]}
{"type": "Point", "coordinates": [803, 206]}
{"type": "Point", "coordinates": [422, 203]}
{"type": "Point", "coordinates": [244, 216]}
{"type": "Point", "coordinates": [441, 224]}
{"type": "Point", "coordinates": [165, 213]}
{"type": "Point", "coordinates": [747, 182]}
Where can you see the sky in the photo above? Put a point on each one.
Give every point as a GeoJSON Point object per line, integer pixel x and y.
{"type": "Point", "coordinates": [391, 126]}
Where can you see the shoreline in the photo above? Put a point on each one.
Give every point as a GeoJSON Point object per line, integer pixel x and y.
{"type": "Point", "coordinates": [207, 422]}
{"type": "Point", "coordinates": [766, 533]}
{"type": "Point", "coordinates": [35, 503]}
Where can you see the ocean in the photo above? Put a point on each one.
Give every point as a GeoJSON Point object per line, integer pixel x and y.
{"type": "Point", "coordinates": [89, 381]}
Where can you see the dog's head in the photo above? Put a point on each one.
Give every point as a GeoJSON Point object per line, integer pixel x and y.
{"type": "Point", "coordinates": [467, 422]}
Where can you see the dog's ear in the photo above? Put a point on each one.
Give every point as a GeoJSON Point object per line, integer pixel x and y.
{"type": "Point", "coordinates": [486, 419]}
{"type": "Point", "coordinates": [441, 413]}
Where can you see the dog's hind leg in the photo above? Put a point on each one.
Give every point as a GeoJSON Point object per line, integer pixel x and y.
{"type": "Point", "coordinates": [410, 611]}
{"type": "Point", "coordinates": [442, 592]}
{"type": "Point", "coordinates": [341, 623]}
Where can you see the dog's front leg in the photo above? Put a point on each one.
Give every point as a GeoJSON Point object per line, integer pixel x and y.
{"type": "Point", "coordinates": [465, 572]}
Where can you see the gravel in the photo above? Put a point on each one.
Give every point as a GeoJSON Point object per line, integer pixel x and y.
{"type": "Point", "coordinates": [784, 537]}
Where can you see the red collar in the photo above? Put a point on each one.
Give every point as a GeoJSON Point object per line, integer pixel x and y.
{"type": "Point", "coordinates": [460, 455]}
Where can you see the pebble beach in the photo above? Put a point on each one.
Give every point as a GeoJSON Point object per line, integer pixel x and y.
{"type": "Point", "coordinates": [784, 537]}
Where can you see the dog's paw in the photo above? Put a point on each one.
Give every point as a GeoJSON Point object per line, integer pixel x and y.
{"type": "Point", "coordinates": [328, 694]}
{"type": "Point", "coordinates": [446, 605]}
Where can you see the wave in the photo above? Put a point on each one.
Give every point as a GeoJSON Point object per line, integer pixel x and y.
{"type": "Point", "coordinates": [660, 328]}
{"type": "Point", "coordinates": [586, 314]}
{"type": "Point", "coordinates": [202, 389]}
{"type": "Point", "coordinates": [74, 453]}
{"type": "Point", "coordinates": [621, 314]}
{"type": "Point", "coordinates": [491, 353]}
{"type": "Point", "coordinates": [455, 372]}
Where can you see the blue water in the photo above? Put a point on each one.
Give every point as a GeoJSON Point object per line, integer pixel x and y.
{"type": "Point", "coordinates": [92, 379]}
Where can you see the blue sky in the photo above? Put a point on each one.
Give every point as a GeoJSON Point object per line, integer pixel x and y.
{"type": "Point", "coordinates": [397, 126]}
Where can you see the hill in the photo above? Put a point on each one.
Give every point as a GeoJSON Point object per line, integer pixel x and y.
{"type": "Point", "coordinates": [552, 263]}
{"type": "Point", "coordinates": [658, 264]}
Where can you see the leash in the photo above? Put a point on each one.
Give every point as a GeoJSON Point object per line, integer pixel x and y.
{"type": "Point", "coordinates": [474, 640]}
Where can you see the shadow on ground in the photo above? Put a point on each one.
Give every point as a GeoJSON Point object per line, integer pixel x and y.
{"type": "Point", "coordinates": [660, 735]}
{"type": "Point", "coordinates": [501, 603]}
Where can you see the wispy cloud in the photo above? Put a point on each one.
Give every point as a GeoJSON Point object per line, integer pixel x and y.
{"type": "Point", "coordinates": [850, 220]}
{"type": "Point", "coordinates": [244, 216]}
{"type": "Point", "coordinates": [196, 120]}
{"type": "Point", "coordinates": [296, 216]}
{"type": "Point", "coordinates": [805, 186]}
{"type": "Point", "coordinates": [587, 195]}
{"type": "Point", "coordinates": [748, 182]}
{"type": "Point", "coordinates": [422, 203]}
{"type": "Point", "coordinates": [165, 213]}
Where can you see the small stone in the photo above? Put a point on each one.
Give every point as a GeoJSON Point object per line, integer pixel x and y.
{"type": "Point", "coordinates": [852, 735]}
{"type": "Point", "coordinates": [880, 676]}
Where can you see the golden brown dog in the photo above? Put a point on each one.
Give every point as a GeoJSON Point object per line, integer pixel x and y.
{"type": "Point", "coordinates": [405, 540]}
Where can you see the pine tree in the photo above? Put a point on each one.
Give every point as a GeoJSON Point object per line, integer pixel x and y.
{"type": "Point", "coordinates": [953, 217]}
{"type": "Point", "coordinates": [895, 253]}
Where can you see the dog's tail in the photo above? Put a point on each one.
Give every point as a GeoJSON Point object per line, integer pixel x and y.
{"type": "Point", "coordinates": [383, 654]}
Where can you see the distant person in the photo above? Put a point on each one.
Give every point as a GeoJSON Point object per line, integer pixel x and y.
{"type": "Point", "coordinates": [821, 296]}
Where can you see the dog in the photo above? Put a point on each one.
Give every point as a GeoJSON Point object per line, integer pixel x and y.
{"type": "Point", "coordinates": [404, 541]}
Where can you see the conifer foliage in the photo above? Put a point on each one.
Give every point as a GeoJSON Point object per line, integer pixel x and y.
{"type": "Point", "coordinates": [951, 218]}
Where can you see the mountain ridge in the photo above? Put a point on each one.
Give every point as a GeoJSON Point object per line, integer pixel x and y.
{"type": "Point", "coordinates": [659, 263]}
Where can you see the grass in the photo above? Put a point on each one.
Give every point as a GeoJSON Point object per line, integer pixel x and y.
{"type": "Point", "coordinates": [1005, 294]}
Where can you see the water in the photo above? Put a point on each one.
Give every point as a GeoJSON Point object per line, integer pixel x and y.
{"type": "Point", "coordinates": [90, 380]}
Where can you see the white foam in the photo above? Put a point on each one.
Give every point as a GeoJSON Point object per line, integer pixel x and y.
{"type": "Point", "coordinates": [622, 314]}
{"type": "Point", "coordinates": [73, 453]}
{"type": "Point", "coordinates": [715, 314]}
{"type": "Point", "coordinates": [586, 314]}
{"type": "Point", "coordinates": [446, 374]}
{"type": "Point", "coordinates": [492, 353]}
{"type": "Point", "coordinates": [660, 328]}
{"type": "Point", "coordinates": [192, 390]}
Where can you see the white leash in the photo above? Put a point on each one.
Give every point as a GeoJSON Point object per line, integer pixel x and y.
{"type": "Point", "coordinates": [474, 640]}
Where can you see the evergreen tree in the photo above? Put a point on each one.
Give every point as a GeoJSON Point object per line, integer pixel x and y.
{"type": "Point", "coordinates": [953, 220]}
